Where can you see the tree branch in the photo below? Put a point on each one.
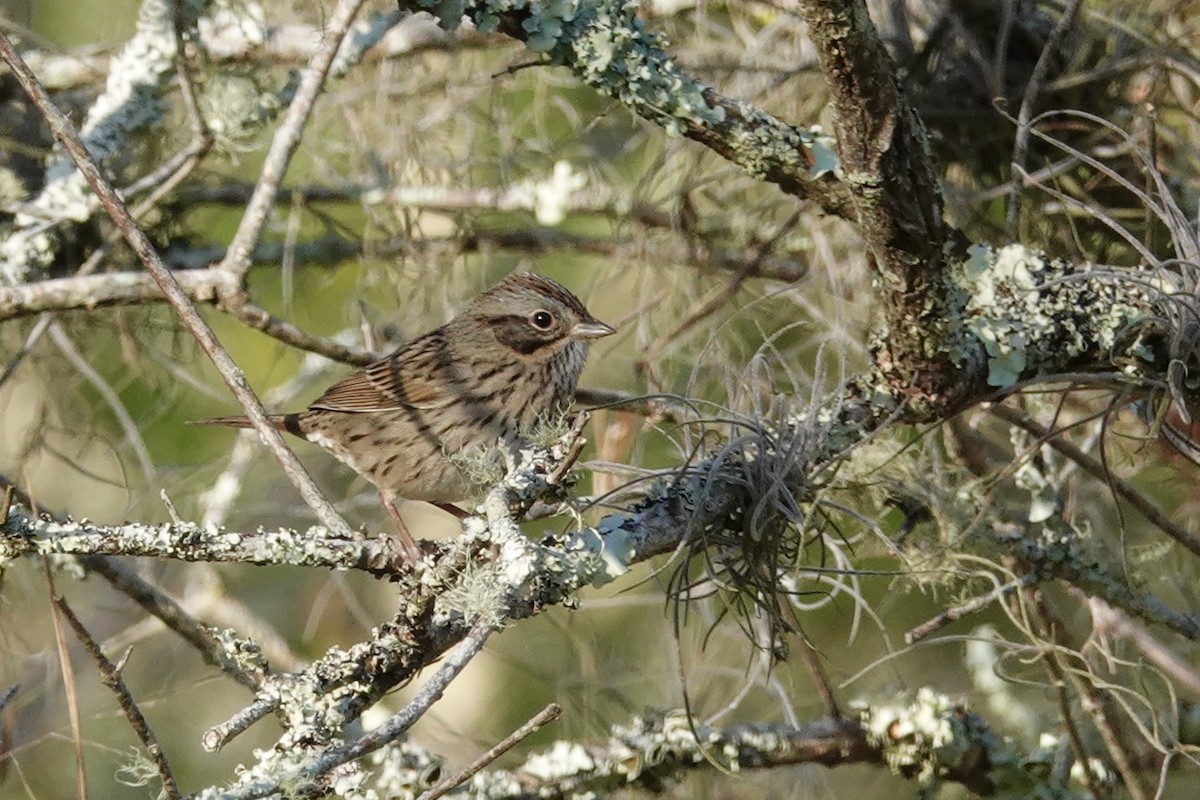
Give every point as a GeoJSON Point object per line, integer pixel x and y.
{"type": "Point", "coordinates": [609, 48]}
{"type": "Point", "coordinates": [234, 379]}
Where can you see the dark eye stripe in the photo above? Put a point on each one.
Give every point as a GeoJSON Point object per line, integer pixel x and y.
{"type": "Point", "coordinates": [516, 332]}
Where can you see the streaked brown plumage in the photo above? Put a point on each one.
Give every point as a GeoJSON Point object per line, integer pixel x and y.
{"type": "Point", "coordinates": [513, 355]}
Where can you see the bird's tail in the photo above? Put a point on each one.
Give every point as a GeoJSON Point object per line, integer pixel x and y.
{"type": "Point", "coordinates": [284, 422]}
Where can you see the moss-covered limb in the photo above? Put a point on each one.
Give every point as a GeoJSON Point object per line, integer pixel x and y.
{"type": "Point", "coordinates": [610, 49]}
{"type": "Point", "coordinates": [923, 736]}
{"type": "Point", "coordinates": [1059, 552]}
{"type": "Point", "coordinates": [932, 739]}
{"type": "Point", "coordinates": [25, 534]}
{"type": "Point", "coordinates": [1012, 314]}
{"type": "Point", "coordinates": [130, 104]}
{"type": "Point", "coordinates": [1036, 316]}
{"type": "Point", "coordinates": [658, 748]}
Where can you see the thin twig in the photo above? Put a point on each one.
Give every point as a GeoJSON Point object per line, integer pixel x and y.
{"type": "Point", "coordinates": [110, 676]}
{"type": "Point", "coordinates": [935, 624]}
{"type": "Point", "coordinates": [430, 693]}
{"type": "Point", "coordinates": [548, 714]}
{"type": "Point", "coordinates": [287, 138]}
{"type": "Point", "coordinates": [132, 435]}
{"type": "Point", "coordinates": [573, 451]}
{"type": "Point", "coordinates": [1032, 89]}
{"type": "Point", "coordinates": [65, 134]}
{"type": "Point", "coordinates": [68, 676]}
{"type": "Point", "coordinates": [260, 319]}
{"type": "Point", "coordinates": [220, 735]}
{"type": "Point", "coordinates": [159, 604]}
{"type": "Point", "coordinates": [1097, 470]}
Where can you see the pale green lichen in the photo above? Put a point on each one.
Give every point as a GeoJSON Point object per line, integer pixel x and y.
{"type": "Point", "coordinates": [659, 744]}
{"type": "Point", "coordinates": [235, 108]}
{"type": "Point", "coordinates": [762, 145]}
{"type": "Point", "coordinates": [402, 769]}
{"type": "Point", "coordinates": [559, 761]}
{"type": "Point", "coordinates": [926, 735]}
{"type": "Point", "coordinates": [238, 650]}
{"type": "Point", "coordinates": [480, 467]}
{"type": "Point", "coordinates": [823, 148]}
{"type": "Point", "coordinates": [1005, 276]}
{"type": "Point", "coordinates": [1034, 314]}
{"type": "Point", "coordinates": [477, 595]}
{"type": "Point", "coordinates": [607, 46]}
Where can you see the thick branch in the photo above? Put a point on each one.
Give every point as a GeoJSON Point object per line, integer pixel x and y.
{"type": "Point", "coordinates": [883, 148]}
{"type": "Point", "coordinates": [885, 159]}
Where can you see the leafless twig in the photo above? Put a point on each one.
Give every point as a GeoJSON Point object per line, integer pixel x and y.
{"type": "Point", "coordinates": [1032, 89]}
{"type": "Point", "coordinates": [110, 676]}
{"type": "Point", "coordinates": [179, 300]}
{"type": "Point", "coordinates": [548, 714]}
{"type": "Point", "coordinates": [69, 685]}
{"type": "Point", "coordinates": [287, 138]}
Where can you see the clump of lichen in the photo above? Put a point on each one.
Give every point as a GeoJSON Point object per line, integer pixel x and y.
{"type": "Point", "coordinates": [480, 467]}
{"type": "Point", "coordinates": [606, 45]}
{"type": "Point", "coordinates": [926, 736]}
{"type": "Point", "coordinates": [236, 108]}
{"type": "Point", "coordinates": [478, 594]}
{"type": "Point", "coordinates": [1034, 313]}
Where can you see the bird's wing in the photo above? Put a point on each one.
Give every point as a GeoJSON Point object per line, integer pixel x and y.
{"type": "Point", "coordinates": [408, 378]}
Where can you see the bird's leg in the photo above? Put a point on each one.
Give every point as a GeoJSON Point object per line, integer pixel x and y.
{"type": "Point", "coordinates": [453, 509]}
{"type": "Point", "coordinates": [412, 550]}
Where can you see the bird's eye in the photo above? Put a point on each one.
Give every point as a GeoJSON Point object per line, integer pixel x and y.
{"type": "Point", "coordinates": [542, 320]}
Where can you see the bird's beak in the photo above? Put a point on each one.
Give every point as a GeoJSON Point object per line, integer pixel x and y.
{"type": "Point", "coordinates": [591, 329]}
